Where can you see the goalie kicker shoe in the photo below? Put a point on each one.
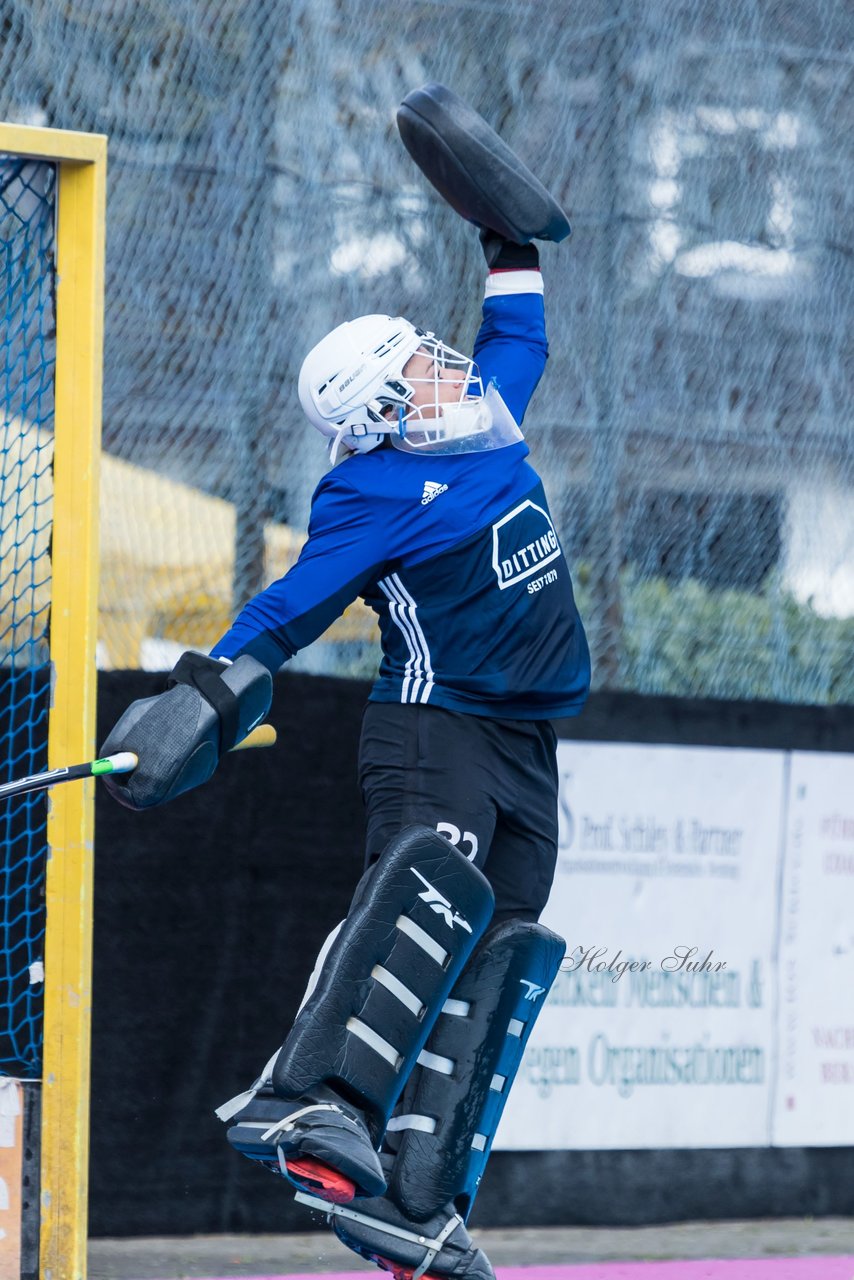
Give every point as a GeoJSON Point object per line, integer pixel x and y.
{"type": "Point", "coordinates": [320, 1144]}
{"type": "Point", "coordinates": [439, 1247]}
{"type": "Point", "coordinates": [377, 1229]}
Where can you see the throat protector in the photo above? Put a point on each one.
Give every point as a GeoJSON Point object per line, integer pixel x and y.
{"type": "Point", "coordinates": [469, 426]}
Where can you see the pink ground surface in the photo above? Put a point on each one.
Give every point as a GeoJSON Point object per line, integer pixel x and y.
{"type": "Point", "coordinates": [818, 1268]}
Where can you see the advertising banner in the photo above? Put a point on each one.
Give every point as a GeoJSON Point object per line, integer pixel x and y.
{"type": "Point", "coordinates": [11, 1153]}
{"type": "Point", "coordinates": [815, 1092]}
{"type": "Point", "coordinates": [659, 1030]}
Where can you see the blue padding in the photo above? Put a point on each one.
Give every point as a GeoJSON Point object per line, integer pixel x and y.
{"type": "Point", "coordinates": [504, 987]}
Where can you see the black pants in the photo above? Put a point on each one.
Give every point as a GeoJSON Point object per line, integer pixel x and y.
{"type": "Point", "coordinates": [489, 785]}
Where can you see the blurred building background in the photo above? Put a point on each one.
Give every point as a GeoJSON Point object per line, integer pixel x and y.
{"type": "Point", "coordinates": [694, 426]}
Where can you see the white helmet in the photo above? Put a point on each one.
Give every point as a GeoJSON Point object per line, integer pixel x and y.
{"type": "Point", "coordinates": [352, 388]}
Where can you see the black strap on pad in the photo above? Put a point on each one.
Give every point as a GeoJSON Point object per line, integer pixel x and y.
{"type": "Point", "coordinates": [483, 1031]}
{"type": "Point", "coordinates": [205, 675]}
{"type": "Point", "coordinates": [413, 925]}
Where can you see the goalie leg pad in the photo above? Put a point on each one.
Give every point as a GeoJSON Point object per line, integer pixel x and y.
{"type": "Point", "coordinates": [413, 925]}
{"type": "Point", "coordinates": [411, 930]}
{"type": "Point", "coordinates": [458, 1091]}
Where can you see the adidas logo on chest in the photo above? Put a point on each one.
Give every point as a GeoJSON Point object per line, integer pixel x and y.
{"type": "Point", "coordinates": [432, 489]}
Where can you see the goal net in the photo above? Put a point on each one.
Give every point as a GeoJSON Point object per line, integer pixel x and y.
{"type": "Point", "coordinates": [51, 284]}
{"type": "Point", "coordinates": [27, 191]}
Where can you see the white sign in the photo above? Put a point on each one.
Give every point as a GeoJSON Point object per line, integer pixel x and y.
{"type": "Point", "coordinates": [815, 1094]}
{"type": "Point", "coordinates": [12, 1101]}
{"type": "Point", "coordinates": [659, 1030]}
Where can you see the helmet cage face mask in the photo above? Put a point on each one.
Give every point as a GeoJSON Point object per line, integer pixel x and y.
{"type": "Point", "coordinates": [369, 396]}
{"type": "Point", "coordinates": [457, 415]}
{"type": "Point", "coordinates": [440, 377]}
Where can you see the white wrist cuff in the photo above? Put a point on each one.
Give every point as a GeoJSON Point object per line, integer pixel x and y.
{"type": "Point", "coordinates": [525, 281]}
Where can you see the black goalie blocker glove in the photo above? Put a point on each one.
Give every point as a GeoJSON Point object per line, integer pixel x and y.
{"type": "Point", "coordinates": [179, 735]}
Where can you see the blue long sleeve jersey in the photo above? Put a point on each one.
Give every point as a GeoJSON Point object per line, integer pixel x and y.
{"type": "Point", "coordinates": [456, 554]}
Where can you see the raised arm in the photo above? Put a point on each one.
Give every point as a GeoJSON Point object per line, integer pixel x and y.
{"type": "Point", "coordinates": [511, 346]}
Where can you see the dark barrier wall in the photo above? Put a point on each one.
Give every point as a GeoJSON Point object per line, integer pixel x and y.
{"type": "Point", "coordinates": [208, 916]}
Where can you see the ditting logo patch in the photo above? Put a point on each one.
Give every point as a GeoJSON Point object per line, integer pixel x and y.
{"type": "Point", "coordinates": [522, 542]}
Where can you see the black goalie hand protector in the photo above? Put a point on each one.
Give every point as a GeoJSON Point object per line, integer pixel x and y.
{"type": "Point", "coordinates": [180, 735]}
{"type": "Point", "coordinates": [474, 171]}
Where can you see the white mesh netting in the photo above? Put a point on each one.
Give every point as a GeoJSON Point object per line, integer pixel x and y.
{"type": "Point", "coordinates": [693, 427]}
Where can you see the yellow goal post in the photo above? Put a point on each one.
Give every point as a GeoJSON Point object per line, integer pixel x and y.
{"type": "Point", "coordinates": [80, 161]}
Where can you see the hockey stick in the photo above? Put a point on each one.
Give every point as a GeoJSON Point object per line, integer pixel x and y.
{"type": "Point", "coordinates": [263, 735]}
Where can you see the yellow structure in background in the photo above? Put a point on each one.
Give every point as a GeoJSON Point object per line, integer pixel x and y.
{"type": "Point", "coordinates": [164, 575]}
{"type": "Point", "coordinates": [151, 587]}
{"type": "Point", "coordinates": [167, 575]}
{"type": "Point", "coordinates": [81, 193]}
